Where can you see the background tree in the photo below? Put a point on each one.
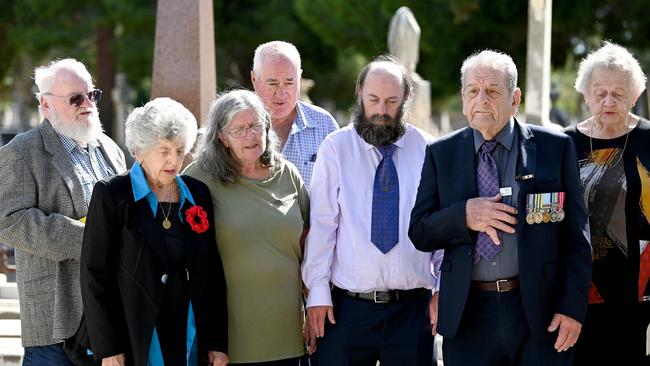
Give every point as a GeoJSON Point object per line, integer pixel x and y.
{"type": "Point", "coordinates": [335, 38]}
{"type": "Point", "coordinates": [103, 34]}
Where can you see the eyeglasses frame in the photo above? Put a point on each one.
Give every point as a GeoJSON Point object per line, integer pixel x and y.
{"type": "Point", "coordinates": [89, 95]}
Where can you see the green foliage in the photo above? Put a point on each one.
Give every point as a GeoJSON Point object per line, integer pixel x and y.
{"type": "Point", "coordinates": [241, 26]}
{"type": "Point", "coordinates": [49, 29]}
{"type": "Point", "coordinates": [134, 22]}
{"type": "Point", "coordinates": [7, 48]}
{"type": "Point", "coordinates": [335, 37]}
{"type": "Point", "coordinates": [450, 31]}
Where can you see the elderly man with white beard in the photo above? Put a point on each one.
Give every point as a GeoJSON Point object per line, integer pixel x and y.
{"type": "Point", "coordinates": [48, 174]}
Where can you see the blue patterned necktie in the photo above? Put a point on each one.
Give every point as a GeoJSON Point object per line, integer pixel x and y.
{"type": "Point", "coordinates": [487, 180]}
{"type": "Point", "coordinates": [385, 202]}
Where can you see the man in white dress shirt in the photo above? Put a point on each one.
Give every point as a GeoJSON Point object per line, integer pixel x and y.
{"type": "Point", "coordinates": [379, 305]}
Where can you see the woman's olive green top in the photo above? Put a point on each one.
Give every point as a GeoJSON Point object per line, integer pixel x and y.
{"type": "Point", "coordinates": [258, 225]}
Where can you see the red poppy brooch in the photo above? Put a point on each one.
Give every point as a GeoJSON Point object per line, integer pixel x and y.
{"type": "Point", "coordinates": [197, 218]}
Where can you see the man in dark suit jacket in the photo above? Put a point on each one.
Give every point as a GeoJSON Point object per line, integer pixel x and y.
{"type": "Point", "coordinates": [518, 297]}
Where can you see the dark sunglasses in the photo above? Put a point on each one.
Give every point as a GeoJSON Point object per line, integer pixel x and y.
{"type": "Point", "coordinates": [78, 99]}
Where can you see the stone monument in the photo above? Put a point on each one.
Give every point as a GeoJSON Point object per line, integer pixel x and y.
{"type": "Point", "coordinates": [404, 43]}
{"type": "Point", "coordinates": [122, 95]}
{"type": "Point", "coordinates": [184, 66]}
{"type": "Point", "coordinates": [305, 87]}
{"type": "Point", "coordinates": [538, 62]}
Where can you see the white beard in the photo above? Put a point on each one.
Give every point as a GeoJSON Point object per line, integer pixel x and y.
{"type": "Point", "coordinates": [79, 131]}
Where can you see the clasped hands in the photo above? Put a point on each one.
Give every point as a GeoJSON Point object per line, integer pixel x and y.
{"type": "Point", "coordinates": [488, 215]}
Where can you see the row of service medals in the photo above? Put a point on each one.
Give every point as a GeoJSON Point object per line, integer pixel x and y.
{"type": "Point", "coordinates": [545, 208]}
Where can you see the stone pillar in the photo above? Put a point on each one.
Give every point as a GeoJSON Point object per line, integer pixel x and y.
{"type": "Point", "coordinates": [122, 96]}
{"type": "Point", "coordinates": [184, 66]}
{"type": "Point", "coordinates": [305, 86]}
{"type": "Point", "coordinates": [404, 43]}
{"type": "Point", "coordinates": [538, 61]}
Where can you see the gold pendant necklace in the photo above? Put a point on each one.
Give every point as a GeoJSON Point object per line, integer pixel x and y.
{"type": "Point", "coordinates": [166, 223]}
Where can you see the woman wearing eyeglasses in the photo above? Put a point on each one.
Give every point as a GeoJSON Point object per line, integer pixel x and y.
{"type": "Point", "coordinates": [261, 210]}
{"type": "Point", "coordinates": [152, 282]}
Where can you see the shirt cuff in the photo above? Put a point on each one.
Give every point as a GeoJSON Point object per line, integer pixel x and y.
{"type": "Point", "coordinates": [436, 284]}
{"type": "Point", "coordinates": [319, 296]}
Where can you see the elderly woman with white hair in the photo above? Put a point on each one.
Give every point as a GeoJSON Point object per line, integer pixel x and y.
{"type": "Point", "coordinates": [613, 147]}
{"type": "Point", "coordinates": [152, 282]}
{"type": "Point", "coordinates": [261, 212]}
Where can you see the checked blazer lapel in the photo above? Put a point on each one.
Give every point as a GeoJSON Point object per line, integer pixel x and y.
{"type": "Point", "coordinates": [112, 156]}
{"type": "Point", "coordinates": [64, 167]}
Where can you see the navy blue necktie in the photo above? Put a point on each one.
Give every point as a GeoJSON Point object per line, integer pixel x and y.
{"type": "Point", "coordinates": [385, 202]}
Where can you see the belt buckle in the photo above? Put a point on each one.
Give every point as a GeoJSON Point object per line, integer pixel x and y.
{"type": "Point", "coordinates": [379, 300]}
{"type": "Point", "coordinates": [498, 282]}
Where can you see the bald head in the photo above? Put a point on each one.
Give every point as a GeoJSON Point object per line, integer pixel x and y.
{"type": "Point", "coordinates": [386, 65]}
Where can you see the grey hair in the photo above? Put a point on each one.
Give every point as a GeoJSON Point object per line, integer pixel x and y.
{"type": "Point", "coordinates": [161, 118]}
{"type": "Point", "coordinates": [45, 76]}
{"type": "Point", "coordinates": [214, 157]}
{"type": "Point", "coordinates": [493, 59]}
{"type": "Point", "coordinates": [610, 57]}
{"type": "Point", "coordinates": [276, 48]}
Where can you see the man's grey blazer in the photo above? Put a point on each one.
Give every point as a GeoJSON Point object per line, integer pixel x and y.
{"type": "Point", "coordinates": [41, 202]}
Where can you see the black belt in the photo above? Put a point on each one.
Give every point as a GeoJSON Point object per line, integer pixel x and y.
{"type": "Point", "coordinates": [382, 297]}
{"type": "Point", "coordinates": [508, 284]}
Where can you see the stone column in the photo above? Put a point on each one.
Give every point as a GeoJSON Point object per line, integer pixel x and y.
{"type": "Point", "coordinates": [184, 66]}
{"type": "Point", "coordinates": [404, 43]}
{"type": "Point", "coordinates": [122, 96]}
{"type": "Point", "coordinates": [538, 61]}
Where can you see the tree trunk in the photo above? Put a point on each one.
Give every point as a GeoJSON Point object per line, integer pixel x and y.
{"type": "Point", "coordinates": [105, 76]}
{"type": "Point", "coordinates": [24, 100]}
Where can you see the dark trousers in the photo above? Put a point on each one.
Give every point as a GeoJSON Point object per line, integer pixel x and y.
{"type": "Point", "coordinates": [52, 355]}
{"type": "Point", "coordinates": [395, 334]}
{"type": "Point", "coordinates": [494, 332]}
